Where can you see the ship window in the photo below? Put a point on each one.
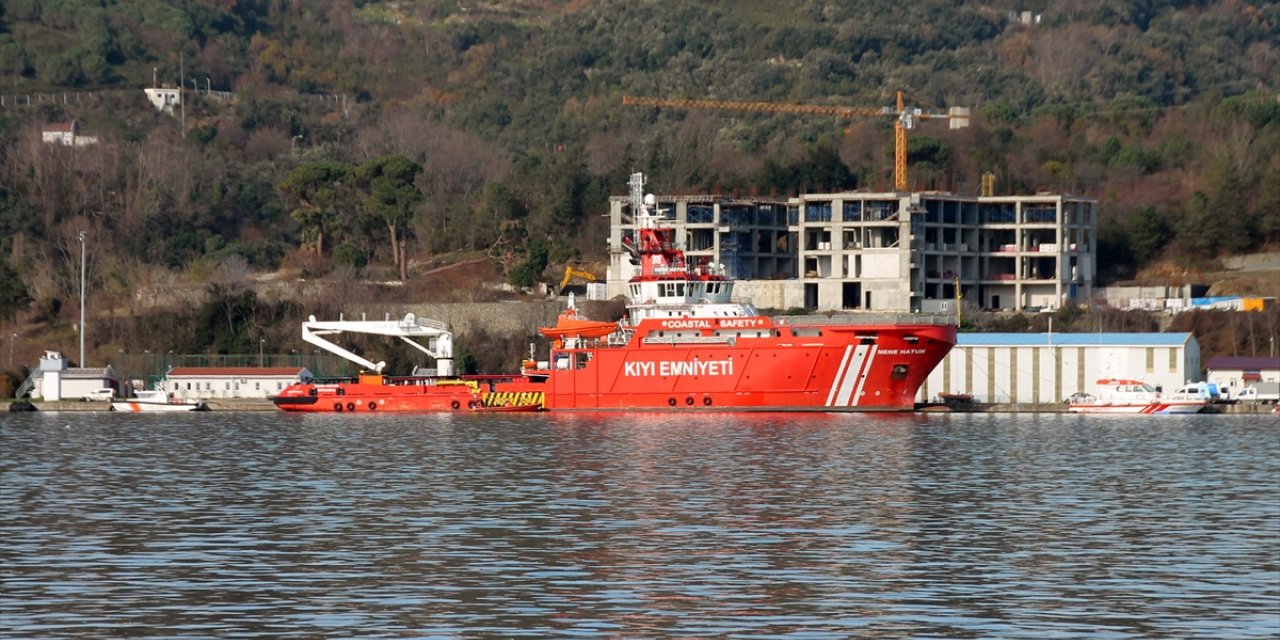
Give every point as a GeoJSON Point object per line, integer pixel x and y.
{"type": "Point", "coordinates": [866, 340]}
{"type": "Point", "coordinates": [899, 371]}
{"type": "Point", "coordinates": [680, 289]}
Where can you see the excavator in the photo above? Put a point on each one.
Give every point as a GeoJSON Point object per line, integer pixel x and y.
{"type": "Point", "coordinates": [570, 272]}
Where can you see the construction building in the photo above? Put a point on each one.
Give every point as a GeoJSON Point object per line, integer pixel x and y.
{"type": "Point", "coordinates": [884, 251]}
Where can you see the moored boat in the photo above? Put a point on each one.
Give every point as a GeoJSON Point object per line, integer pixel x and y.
{"type": "Point", "coordinates": [372, 391]}
{"type": "Point", "coordinates": [1118, 395]}
{"type": "Point", "coordinates": [156, 400]}
{"type": "Point", "coordinates": [686, 343]}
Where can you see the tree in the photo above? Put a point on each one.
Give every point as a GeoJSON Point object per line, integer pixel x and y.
{"type": "Point", "coordinates": [14, 296]}
{"type": "Point", "coordinates": [387, 193]}
{"type": "Point", "coordinates": [319, 190]}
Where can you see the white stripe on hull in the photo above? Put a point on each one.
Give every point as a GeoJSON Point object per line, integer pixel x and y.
{"type": "Point", "coordinates": [840, 373]}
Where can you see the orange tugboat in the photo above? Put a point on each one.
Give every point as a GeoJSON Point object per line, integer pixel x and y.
{"type": "Point", "coordinates": [685, 344]}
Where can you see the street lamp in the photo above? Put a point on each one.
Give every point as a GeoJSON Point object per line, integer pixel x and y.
{"type": "Point", "coordinates": [261, 341]}
{"type": "Point", "coordinates": [82, 267]}
{"type": "Point", "coordinates": [206, 85]}
{"type": "Point", "coordinates": [12, 339]}
{"type": "Point", "coordinates": [293, 142]}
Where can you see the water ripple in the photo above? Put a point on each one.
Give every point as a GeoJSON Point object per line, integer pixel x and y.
{"type": "Point", "coordinates": [648, 525]}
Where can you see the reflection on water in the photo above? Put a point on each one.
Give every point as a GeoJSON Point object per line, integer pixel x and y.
{"type": "Point", "coordinates": [824, 526]}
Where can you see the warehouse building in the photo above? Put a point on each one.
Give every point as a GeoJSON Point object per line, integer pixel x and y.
{"type": "Point", "coordinates": [1029, 368]}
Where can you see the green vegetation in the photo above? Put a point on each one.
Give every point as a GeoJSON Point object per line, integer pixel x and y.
{"type": "Point", "coordinates": [368, 137]}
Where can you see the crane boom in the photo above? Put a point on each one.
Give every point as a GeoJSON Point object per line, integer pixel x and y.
{"type": "Point", "coordinates": [904, 118]}
{"type": "Point", "coordinates": [408, 327]}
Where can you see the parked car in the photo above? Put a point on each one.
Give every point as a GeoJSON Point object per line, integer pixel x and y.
{"type": "Point", "coordinates": [104, 395]}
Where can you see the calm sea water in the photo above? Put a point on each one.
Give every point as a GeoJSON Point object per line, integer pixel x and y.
{"type": "Point", "coordinates": [249, 525]}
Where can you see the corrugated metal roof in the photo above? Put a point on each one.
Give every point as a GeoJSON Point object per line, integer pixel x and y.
{"type": "Point", "coordinates": [1073, 339]}
{"type": "Point", "coordinates": [1244, 363]}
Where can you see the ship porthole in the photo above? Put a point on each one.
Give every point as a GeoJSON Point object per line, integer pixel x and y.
{"type": "Point", "coordinates": [455, 404]}
{"type": "Point", "coordinates": [351, 406]}
{"type": "Point", "coordinates": [671, 402]}
{"type": "Point", "coordinates": [372, 405]}
{"type": "Point", "coordinates": [689, 401]}
{"type": "Point", "coordinates": [337, 406]}
{"type": "Point", "coordinates": [706, 402]}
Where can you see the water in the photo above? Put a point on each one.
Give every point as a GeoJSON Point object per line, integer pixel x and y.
{"type": "Point", "coordinates": [235, 525]}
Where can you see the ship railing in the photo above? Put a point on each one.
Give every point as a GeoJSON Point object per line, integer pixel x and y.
{"type": "Point", "coordinates": [868, 318]}
{"type": "Point", "coordinates": [688, 340]}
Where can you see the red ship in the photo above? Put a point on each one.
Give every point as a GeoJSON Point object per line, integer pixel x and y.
{"type": "Point", "coordinates": [684, 345]}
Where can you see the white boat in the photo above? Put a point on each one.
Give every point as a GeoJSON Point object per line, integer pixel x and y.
{"type": "Point", "coordinates": [156, 401]}
{"type": "Point", "coordinates": [1116, 395]}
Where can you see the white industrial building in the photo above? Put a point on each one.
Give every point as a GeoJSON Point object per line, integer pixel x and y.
{"type": "Point", "coordinates": [202, 383]}
{"type": "Point", "coordinates": [883, 251]}
{"type": "Point", "coordinates": [1048, 367]}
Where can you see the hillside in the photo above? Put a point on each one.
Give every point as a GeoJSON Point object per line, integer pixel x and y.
{"type": "Point", "coordinates": [367, 139]}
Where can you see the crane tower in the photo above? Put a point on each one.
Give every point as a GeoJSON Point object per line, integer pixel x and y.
{"type": "Point", "coordinates": [904, 118]}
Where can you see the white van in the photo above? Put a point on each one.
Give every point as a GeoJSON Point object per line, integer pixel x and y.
{"type": "Point", "coordinates": [105, 395]}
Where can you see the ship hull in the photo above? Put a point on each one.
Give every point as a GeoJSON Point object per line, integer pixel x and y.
{"type": "Point", "coordinates": [405, 396]}
{"type": "Point", "coordinates": [847, 368]}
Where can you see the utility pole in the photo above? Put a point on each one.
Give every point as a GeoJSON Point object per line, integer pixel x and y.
{"type": "Point", "coordinates": [82, 268]}
{"type": "Point", "coordinates": [182, 79]}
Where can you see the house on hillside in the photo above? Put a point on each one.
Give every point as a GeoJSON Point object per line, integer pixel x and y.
{"type": "Point", "coordinates": [164, 99]}
{"type": "Point", "coordinates": [66, 134]}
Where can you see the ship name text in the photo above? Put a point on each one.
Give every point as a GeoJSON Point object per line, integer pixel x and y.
{"type": "Point", "coordinates": [679, 368]}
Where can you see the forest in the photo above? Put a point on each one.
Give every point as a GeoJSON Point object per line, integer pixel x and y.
{"type": "Point", "coordinates": [370, 140]}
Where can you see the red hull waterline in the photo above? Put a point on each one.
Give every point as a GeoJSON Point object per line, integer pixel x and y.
{"type": "Point", "coordinates": [829, 367]}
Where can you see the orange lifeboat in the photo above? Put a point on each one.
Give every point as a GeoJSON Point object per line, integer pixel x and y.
{"type": "Point", "coordinates": [569, 325]}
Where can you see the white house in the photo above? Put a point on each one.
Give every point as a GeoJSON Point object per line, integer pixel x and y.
{"type": "Point", "coordinates": [1236, 373]}
{"type": "Point", "coordinates": [66, 134]}
{"type": "Point", "coordinates": [164, 99]}
{"type": "Point", "coordinates": [230, 382]}
{"type": "Point", "coordinates": [1048, 367]}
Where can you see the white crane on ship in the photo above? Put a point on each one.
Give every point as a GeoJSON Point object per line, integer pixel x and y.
{"type": "Point", "coordinates": [409, 329]}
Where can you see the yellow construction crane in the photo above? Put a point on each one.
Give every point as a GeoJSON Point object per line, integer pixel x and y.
{"type": "Point", "coordinates": [904, 118]}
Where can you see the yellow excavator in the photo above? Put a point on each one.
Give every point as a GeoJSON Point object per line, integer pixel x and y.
{"type": "Point", "coordinates": [569, 274]}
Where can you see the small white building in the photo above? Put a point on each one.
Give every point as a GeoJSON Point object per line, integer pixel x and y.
{"type": "Point", "coordinates": [66, 134]}
{"type": "Point", "coordinates": [164, 99]}
{"type": "Point", "coordinates": [1027, 368]}
{"type": "Point", "coordinates": [1236, 373]}
{"type": "Point", "coordinates": [190, 383]}
{"type": "Point", "coordinates": [54, 380]}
